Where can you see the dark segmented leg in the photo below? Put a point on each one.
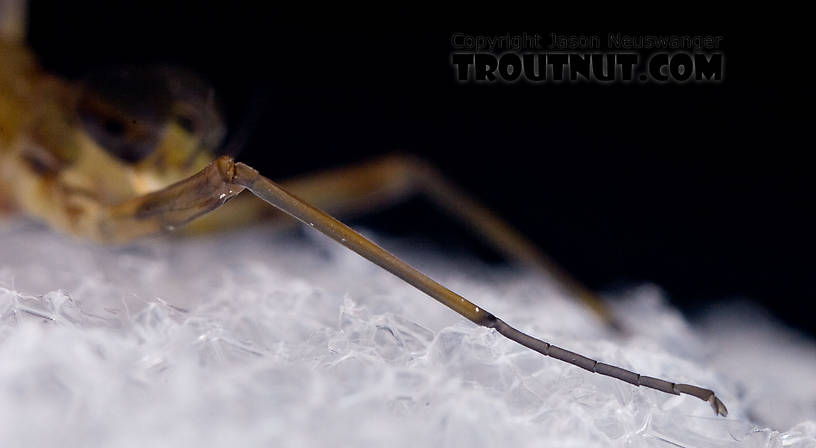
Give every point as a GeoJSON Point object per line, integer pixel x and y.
{"type": "Point", "coordinates": [605, 369]}
{"type": "Point", "coordinates": [288, 203]}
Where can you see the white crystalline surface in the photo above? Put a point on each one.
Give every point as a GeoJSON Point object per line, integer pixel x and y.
{"type": "Point", "coordinates": [255, 339]}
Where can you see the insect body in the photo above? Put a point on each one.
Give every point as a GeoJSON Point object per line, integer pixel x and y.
{"type": "Point", "coordinates": [90, 161]}
{"type": "Point", "coordinates": [70, 151]}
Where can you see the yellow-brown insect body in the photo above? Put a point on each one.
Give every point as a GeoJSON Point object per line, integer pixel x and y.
{"type": "Point", "coordinates": [53, 165]}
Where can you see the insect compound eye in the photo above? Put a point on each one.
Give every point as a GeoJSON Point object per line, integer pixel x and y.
{"type": "Point", "coordinates": [187, 123]}
{"type": "Point", "coordinates": [114, 127]}
{"type": "Point", "coordinates": [127, 110]}
{"type": "Point", "coordinates": [124, 111]}
{"type": "Point", "coordinates": [124, 137]}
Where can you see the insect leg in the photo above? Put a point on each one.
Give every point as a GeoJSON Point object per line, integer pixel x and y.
{"type": "Point", "coordinates": [306, 213]}
{"type": "Point", "coordinates": [207, 190]}
{"type": "Point", "coordinates": [609, 370]}
{"type": "Point", "coordinates": [171, 207]}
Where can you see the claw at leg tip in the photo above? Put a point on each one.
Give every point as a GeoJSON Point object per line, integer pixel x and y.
{"type": "Point", "coordinates": [718, 406]}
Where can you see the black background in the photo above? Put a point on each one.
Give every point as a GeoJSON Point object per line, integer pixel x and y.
{"type": "Point", "coordinates": [706, 190]}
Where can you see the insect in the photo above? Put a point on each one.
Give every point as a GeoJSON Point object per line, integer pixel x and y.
{"type": "Point", "coordinates": [112, 164]}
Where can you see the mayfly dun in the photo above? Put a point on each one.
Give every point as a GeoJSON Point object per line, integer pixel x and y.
{"type": "Point", "coordinates": [111, 163]}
